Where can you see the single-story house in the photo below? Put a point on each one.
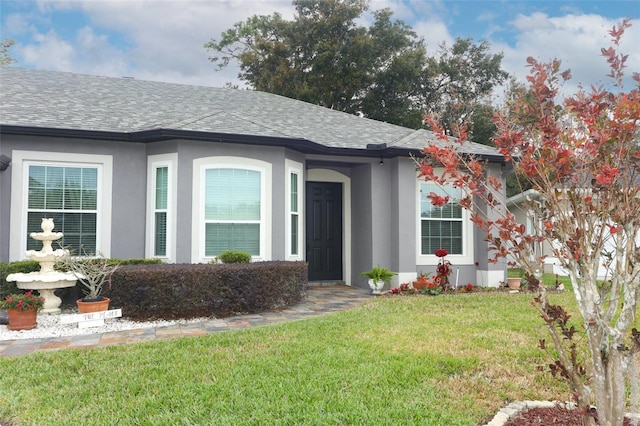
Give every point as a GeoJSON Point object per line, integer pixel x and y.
{"type": "Point", "coordinates": [132, 168]}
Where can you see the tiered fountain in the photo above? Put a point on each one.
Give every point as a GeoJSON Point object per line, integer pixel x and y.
{"type": "Point", "coordinates": [47, 280]}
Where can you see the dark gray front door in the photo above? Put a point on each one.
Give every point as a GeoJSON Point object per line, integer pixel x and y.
{"type": "Point", "coordinates": [324, 230]}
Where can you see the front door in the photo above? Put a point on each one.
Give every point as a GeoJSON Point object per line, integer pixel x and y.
{"type": "Point", "coordinates": [324, 230]}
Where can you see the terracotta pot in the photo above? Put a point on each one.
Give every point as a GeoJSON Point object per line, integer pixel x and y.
{"type": "Point", "coordinates": [22, 320]}
{"type": "Point", "coordinates": [97, 306]}
{"type": "Point", "coordinates": [514, 283]}
{"type": "Point", "coordinates": [419, 285]}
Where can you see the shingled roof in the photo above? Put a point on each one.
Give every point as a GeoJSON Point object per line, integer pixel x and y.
{"type": "Point", "coordinates": [42, 102]}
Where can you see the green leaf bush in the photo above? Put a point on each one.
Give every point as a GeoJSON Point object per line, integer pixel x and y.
{"type": "Point", "coordinates": [7, 268]}
{"type": "Point", "coordinates": [234, 256]}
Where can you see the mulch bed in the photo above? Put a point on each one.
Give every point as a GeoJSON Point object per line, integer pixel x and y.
{"type": "Point", "coordinates": [557, 415]}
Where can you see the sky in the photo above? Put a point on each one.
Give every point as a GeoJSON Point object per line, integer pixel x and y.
{"type": "Point", "coordinates": [162, 40]}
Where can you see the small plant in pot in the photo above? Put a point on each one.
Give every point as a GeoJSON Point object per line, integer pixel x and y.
{"type": "Point", "coordinates": [378, 277]}
{"type": "Point", "coordinates": [93, 273]}
{"type": "Point", "coordinates": [22, 310]}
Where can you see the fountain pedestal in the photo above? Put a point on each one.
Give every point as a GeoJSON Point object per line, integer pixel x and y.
{"type": "Point", "coordinates": [47, 280]}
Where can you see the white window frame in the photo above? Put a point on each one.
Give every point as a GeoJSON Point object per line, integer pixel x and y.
{"type": "Point", "coordinates": [155, 162]}
{"type": "Point", "coordinates": [294, 168]}
{"type": "Point", "coordinates": [22, 160]}
{"type": "Point", "coordinates": [200, 166]}
{"type": "Point", "coordinates": [467, 256]}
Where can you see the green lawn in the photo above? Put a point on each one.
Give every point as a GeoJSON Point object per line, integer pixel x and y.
{"type": "Point", "coordinates": [445, 360]}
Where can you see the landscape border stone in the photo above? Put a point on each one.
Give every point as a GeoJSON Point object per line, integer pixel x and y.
{"type": "Point", "coordinates": [516, 407]}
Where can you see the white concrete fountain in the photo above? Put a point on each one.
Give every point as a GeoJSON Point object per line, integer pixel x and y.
{"type": "Point", "coordinates": [46, 280]}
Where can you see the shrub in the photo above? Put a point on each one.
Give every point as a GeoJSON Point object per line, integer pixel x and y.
{"type": "Point", "coordinates": [172, 291]}
{"type": "Point", "coordinates": [234, 256]}
{"type": "Point", "coordinates": [135, 261]}
{"type": "Point", "coordinates": [71, 294]}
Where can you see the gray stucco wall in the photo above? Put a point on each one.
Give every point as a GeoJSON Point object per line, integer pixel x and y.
{"type": "Point", "coordinates": [129, 200]}
{"type": "Point", "coordinates": [361, 237]}
{"type": "Point", "coordinates": [482, 253]}
{"type": "Point", "coordinates": [128, 186]}
{"type": "Point", "coordinates": [404, 187]}
{"type": "Point", "coordinates": [188, 151]}
{"type": "Point", "coordinates": [381, 226]}
{"type": "Point", "coordinates": [5, 197]}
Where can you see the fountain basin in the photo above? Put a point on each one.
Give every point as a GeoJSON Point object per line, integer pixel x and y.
{"type": "Point", "coordinates": [46, 285]}
{"type": "Point", "coordinates": [47, 280]}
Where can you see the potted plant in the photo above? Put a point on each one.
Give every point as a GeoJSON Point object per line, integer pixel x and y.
{"type": "Point", "coordinates": [22, 310]}
{"type": "Point", "coordinates": [514, 282]}
{"type": "Point", "coordinates": [378, 277]}
{"type": "Point", "coordinates": [92, 273]}
{"type": "Point", "coordinates": [420, 282]}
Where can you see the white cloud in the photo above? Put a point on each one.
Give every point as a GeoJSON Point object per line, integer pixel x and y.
{"type": "Point", "coordinates": [158, 40]}
{"type": "Point", "coordinates": [49, 52]}
{"type": "Point", "coordinates": [535, 22]}
{"type": "Point", "coordinates": [163, 40]}
{"type": "Point", "coordinates": [88, 53]}
{"type": "Point", "coordinates": [486, 17]}
{"type": "Point", "coordinates": [16, 24]}
{"type": "Point", "coordinates": [166, 38]}
{"type": "Point", "coordinates": [574, 39]}
{"type": "Point", "coordinates": [434, 32]}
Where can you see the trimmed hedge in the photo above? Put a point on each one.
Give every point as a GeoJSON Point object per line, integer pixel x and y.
{"type": "Point", "coordinates": [148, 289]}
{"type": "Point", "coordinates": [172, 291]}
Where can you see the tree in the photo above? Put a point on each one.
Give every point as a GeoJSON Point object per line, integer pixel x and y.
{"type": "Point", "coordinates": [322, 56]}
{"type": "Point", "coordinates": [382, 71]}
{"type": "Point", "coordinates": [461, 80]}
{"type": "Point", "coordinates": [583, 158]}
{"type": "Point", "coordinates": [5, 55]}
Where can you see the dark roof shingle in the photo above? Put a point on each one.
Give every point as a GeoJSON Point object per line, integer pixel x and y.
{"type": "Point", "coordinates": [60, 100]}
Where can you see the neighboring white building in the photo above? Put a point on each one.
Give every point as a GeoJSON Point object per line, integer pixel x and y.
{"type": "Point", "coordinates": [519, 206]}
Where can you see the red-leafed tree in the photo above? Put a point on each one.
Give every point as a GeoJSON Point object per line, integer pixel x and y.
{"type": "Point", "coordinates": [582, 156]}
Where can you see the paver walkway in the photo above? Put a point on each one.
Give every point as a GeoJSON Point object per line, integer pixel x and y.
{"type": "Point", "coordinates": [320, 300]}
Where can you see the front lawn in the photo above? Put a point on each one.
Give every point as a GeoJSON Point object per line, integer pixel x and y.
{"type": "Point", "coordinates": [444, 360]}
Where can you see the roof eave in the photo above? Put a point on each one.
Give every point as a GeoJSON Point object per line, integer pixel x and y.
{"type": "Point", "coordinates": [156, 135]}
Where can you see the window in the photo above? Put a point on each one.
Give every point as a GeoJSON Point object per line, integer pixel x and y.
{"type": "Point", "coordinates": [161, 206]}
{"type": "Point", "coordinates": [232, 207]}
{"type": "Point", "coordinates": [294, 213]}
{"type": "Point", "coordinates": [441, 227]}
{"type": "Point", "coordinates": [160, 211]}
{"type": "Point", "coordinates": [294, 207]}
{"type": "Point", "coordinates": [69, 195]}
{"type": "Point", "coordinates": [232, 211]}
{"type": "Point", "coordinates": [73, 189]}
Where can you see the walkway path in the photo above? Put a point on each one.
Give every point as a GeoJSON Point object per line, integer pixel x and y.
{"type": "Point", "coordinates": [319, 301]}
